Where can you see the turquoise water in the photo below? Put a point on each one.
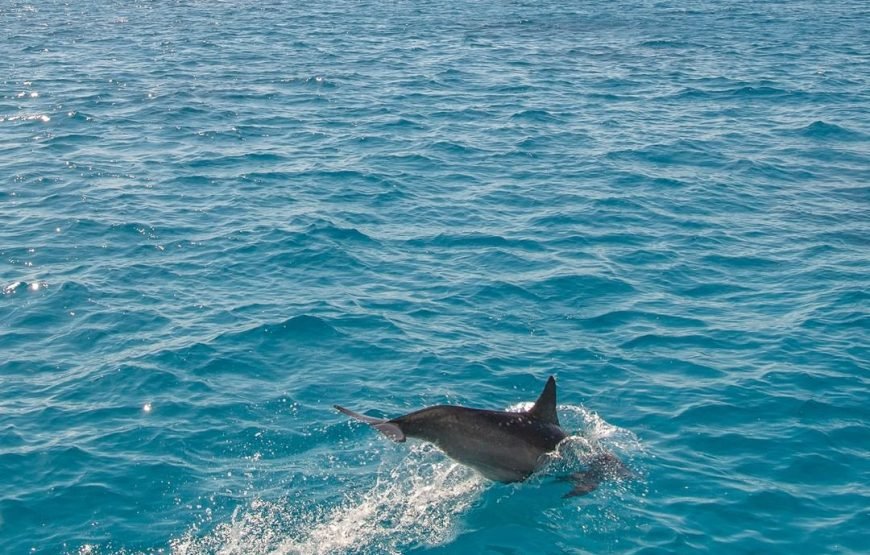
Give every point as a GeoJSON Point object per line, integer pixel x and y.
{"type": "Point", "coordinates": [219, 219]}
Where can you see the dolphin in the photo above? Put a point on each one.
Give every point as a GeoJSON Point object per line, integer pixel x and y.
{"type": "Point", "coordinates": [503, 446]}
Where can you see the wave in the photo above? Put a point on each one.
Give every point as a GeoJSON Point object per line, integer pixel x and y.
{"type": "Point", "coordinates": [830, 131]}
{"type": "Point", "coordinates": [672, 43]}
{"type": "Point", "coordinates": [303, 327]}
{"type": "Point", "coordinates": [712, 340]}
{"type": "Point", "coordinates": [536, 116]}
{"type": "Point", "coordinates": [573, 286]}
{"type": "Point", "coordinates": [619, 318]}
{"type": "Point", "coordinates": [477, 240]}
{"type": "Point", "coordinates": [741, 92]}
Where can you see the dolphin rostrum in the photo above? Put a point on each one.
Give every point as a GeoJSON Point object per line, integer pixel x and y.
{"type": "Point", "coordinates": [503, 446]}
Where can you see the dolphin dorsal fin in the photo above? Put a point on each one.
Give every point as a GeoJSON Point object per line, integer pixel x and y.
{"type": "Point", "coordinates": [545, 407]}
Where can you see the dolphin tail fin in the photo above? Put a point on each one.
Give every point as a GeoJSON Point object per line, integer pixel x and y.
{"type": "Point", "coordinates": [386, 427]}
{"type": "Point", "coordinates": [545, 407]}
{"type": "Point", "coordinates": [605, 466]}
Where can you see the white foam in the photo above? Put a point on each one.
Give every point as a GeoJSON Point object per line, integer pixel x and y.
{"type": "Point", "coordinates": [416, 503]}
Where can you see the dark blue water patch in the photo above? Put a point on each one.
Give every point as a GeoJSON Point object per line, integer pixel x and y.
{"type": "Point", "coordinates": [613, 205]}
{"type": "Point", "coordinates": [551, 144]}
{"type": "Point", "coordinates": [695, 342]}
{"type": "Point", "coordinates": [762, 91]}
{"type": "Point", "coordinates": [854, 192]}
{"type": "Point", "coordinates": [327, 230]}
{"type": "Point", "coordinates": [501, 257]}
{"type": "Point", "coordinates": [223, 162]}
{"type": "Point", "coordinates": [849, 162]}
{"type": "Point", "coordinates": [652, 181]}
{"type": "Point", "coordinates": [299, 328]}
{"type": "Point", "coordinates": [618, 318]}
{"type": "Point", "coordinates": [757, 263]}
{"type": "Point", "coordinates": [537, 116]}
{"type": "Point", "coordinates": [852, 297]}
{"type": "Point", "coordinates": [850, 320]}
{"type": "Point", "coordinates": [71, 142]}
{"type": "Point", "coordinates": [578, 286]}
{"type": "Point", "coordinates": [476, 240]}
{"type": "Point", "coordinates": [640, 258]}
{"type": "Point", "coordinates": [412, 162]}
{"type": "Point", "coordinates": [403, 124]}
{"type": "Point", "coordinates": [746, 168]}
{"type": "Point", "coordinates": [147, 381]}
{"type": "Point", "coordinates": [316, 262]}
{"type": "Point", "coordinates": [12, 441]}
{"type": "Point", "coordinates": [345, 178]}
{"type": "Point", "coordinates": [850, 438]}
{"type": "Point", "coordinates": [559, 218]}
{"type": "Point", "coordinates": [728, 443]}
{"type": "Point", "coordinates": [671, 43]}
{"type": "Point", "coordinates": [830, 131]}
{"type": "Point", "coordinates": [816, 469]}
{"type": "Point", "coordinates": [449, 150]}
{"type": "Point", "coordinates": [575, 245]}
{"type": "Point", "coordinates": [370, 327]}
{"type": "Point", "coordinates": [681, 153]}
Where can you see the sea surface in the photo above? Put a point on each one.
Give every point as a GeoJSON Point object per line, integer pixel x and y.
{"type": "Point", "coordinates": [218, 219]}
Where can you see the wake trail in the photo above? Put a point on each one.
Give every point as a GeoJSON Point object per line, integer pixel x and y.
{"type": "Point", "coordinates": [416, 503]}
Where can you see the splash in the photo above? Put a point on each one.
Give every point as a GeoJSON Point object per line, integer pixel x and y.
{"type": "Point", "coordinates": [585, 426]}
{"type": "Point", "coordinates": [590, 437]}
{"type": "Point", "coordinates": [416, 503]}
{"type": "Point", "coordinates": [419, 502]}
{"type": "Point", "coordinates": [596, 432]}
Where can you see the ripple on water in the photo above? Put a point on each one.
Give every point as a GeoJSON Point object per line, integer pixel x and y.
{"type": "Point", "coordinates": [218, 219]}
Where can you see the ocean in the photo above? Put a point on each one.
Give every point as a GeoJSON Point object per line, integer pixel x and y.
{"type": "Point", "coordinates": [219, 219]}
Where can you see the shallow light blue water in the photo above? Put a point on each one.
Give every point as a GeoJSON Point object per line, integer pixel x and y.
{"type": "Point", "coordinates": [218, 219]}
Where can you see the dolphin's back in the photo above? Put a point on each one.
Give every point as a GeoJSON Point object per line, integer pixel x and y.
{"type": "Point", "coordinates": [503, 446]}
